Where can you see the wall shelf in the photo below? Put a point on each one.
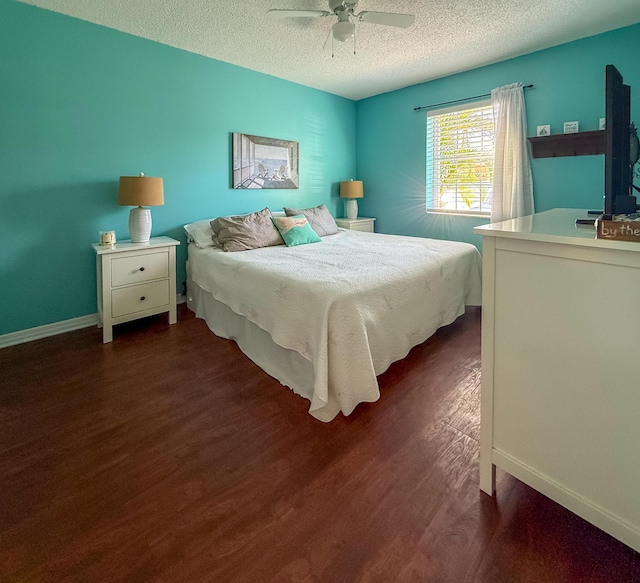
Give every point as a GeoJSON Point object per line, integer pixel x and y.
{"type": "Point", "coordinates": [578, 144]}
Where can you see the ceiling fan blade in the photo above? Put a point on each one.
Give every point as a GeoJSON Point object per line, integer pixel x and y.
{"type": "Point", "coordinates": [387, 18]}
{"type": "Point", "coordinates": [284, 13]}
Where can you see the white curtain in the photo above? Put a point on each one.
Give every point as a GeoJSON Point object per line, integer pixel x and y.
{"type": "Point", "coordinates": [512, 181]}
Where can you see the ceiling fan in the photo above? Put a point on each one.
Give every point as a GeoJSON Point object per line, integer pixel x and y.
{"type": "Point", "coordinates": [345, 27]}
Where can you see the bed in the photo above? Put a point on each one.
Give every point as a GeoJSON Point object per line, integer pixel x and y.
{"type": "Point", "coordinates": [326, 318]}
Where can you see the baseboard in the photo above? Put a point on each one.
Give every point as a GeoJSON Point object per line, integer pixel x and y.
{"type": "Point", "coordinates": [47, 330]}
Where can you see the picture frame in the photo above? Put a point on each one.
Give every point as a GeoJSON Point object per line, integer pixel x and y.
{"type": "Point", "coordinates": [259, 162]}
{"type": "Point", "coordinates": [543, 130]}
{"type": "Point", "coordinates": [571, 127]}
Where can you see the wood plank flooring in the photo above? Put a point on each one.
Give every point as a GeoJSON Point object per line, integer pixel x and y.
{"type": "Point", "coordinates": [167, 456]}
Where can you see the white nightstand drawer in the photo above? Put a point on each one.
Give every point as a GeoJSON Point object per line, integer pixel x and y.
{"type": "Point", "coordinates": [139, 268]}
{"type": "Point", "coordinates": [364, 224]}
{"type": "Point", "coordinates": [137, 298]}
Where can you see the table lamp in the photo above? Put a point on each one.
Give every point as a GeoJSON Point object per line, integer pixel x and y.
{"type": "Point", "coordinates": [351, 190]}
{"type": "Point", "coordinates": [140, 191]}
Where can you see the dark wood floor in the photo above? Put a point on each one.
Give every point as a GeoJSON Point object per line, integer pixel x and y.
{"type": "Point", "coordinates": [168, 456]}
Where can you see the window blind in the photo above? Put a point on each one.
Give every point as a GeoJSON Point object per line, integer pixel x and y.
{"type": "Point", "coordinates": [460, 149]}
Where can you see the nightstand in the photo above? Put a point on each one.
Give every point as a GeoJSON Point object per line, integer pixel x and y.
{"type": "Point", "coordinates": [359, 224]}
{"type": "Point", "coordinates": [135, 280]}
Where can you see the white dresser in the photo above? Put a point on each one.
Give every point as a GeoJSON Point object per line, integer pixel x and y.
{"type": "Point", "coordinates": [135, 280]}
{"type": "Point", "coordinates": [561, 366]}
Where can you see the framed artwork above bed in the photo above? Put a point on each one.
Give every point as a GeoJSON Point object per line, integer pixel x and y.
{"type": "Point", "coordinates": [260, 162]}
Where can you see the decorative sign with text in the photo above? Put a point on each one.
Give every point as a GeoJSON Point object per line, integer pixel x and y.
{"type": "Point", "coordinates": [620, 228]}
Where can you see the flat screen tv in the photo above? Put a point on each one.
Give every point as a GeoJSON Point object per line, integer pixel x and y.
{"type": "Point", "coordinates": [618, 198]}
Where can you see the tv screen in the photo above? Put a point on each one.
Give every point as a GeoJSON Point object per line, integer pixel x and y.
{"type": "Point", "coordinates": [617, 166]}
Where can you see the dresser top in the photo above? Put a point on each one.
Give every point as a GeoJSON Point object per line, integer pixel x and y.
{"type": "Point", "coordinates": [554, 226]}
{"type": "Point", "coordinates": [127, 245]}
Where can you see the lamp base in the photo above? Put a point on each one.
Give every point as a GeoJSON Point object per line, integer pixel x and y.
{"type": "Point", "coordinates": [352, 208]}
{"type": "Point", "coordinates": [140, 225]}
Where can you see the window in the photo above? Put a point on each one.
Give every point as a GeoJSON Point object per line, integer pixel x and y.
{"type": "Point", "coordinates": [460, 145]}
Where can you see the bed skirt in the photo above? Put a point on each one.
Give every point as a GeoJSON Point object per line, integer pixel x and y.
{"type": "Point", "coordinates": [287, 366]}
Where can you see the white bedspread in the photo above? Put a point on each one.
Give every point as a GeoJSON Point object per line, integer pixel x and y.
{"type": "Point", "coordinates": [351, 305]}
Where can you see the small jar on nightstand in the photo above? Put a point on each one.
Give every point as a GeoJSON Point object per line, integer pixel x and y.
{"type": "Point", "coordinates": [358, 224]}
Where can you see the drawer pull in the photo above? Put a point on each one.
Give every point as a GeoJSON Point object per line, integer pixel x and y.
{"type": "Point", "coordinates": [143, 298]}
{"type": "Point", "coordinates": [142, 269]}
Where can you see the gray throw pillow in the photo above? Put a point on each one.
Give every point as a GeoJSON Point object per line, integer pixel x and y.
{"type": "Point", "coordinates": [319, 217]}
{"type": "Point", "coordinates": [245, 232]}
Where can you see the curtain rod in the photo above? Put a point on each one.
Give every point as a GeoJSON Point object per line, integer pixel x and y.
{"type": "Point", "coordinates": [459, 100]}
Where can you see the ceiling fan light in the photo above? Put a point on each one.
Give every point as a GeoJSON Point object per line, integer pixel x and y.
{"type": "Point", "coordinates": [343, 30]}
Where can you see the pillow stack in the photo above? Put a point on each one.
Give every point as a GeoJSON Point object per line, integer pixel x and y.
{"type": "Point", "coordinates": [244, 232]}
{"type": "Point", "coordinates": [262, 229]}
{"type": "Point", "coordinates": [319, 217]}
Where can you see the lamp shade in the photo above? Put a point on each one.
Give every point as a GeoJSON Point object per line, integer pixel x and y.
{"type": "Point", "coordinates": [140, 191]}
{"type": "Point", "coordinates": [351, 189]}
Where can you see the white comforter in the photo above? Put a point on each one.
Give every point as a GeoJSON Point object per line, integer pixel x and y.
{"type": "Point", "coordinates": [351, 305]}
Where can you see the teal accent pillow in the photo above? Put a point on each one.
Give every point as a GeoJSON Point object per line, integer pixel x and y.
{"type": "Point", "coordinates": [295, 230]}
{"type": "Point", "coordinates": [319, 217]}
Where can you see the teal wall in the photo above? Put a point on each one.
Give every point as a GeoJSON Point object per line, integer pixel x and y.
{"type": "Point", "coordinates": [569, 86]}
{"type": "Point", "coordinates": [81, 105]}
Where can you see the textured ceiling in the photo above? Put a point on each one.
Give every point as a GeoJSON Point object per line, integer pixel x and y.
{"type": "Point", "coordinates": [448, 36]}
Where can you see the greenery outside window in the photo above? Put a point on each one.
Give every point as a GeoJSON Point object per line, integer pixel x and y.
{"type": "Point", "coordinates": [460, 149]}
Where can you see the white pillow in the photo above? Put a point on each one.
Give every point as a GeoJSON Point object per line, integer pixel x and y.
{"type": "Point", "coordinates": [201, 233]}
